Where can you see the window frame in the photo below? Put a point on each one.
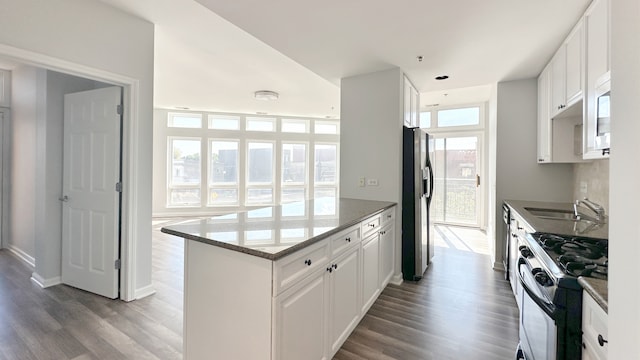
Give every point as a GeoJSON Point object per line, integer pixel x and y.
{"type": "Point", "coordinates": [434, 118]}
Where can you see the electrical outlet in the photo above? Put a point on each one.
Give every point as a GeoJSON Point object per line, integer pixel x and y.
{"type": "Point", "coordinates": [361, 182]}
{"type": "Point", "coordinates": [583, 187]}
{"type": "Point", "coordinates": [372, 182]}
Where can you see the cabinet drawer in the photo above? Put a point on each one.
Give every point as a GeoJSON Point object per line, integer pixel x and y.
{"type": "Point", "coordinates": [594, 325]}
{"type": "Point", "coordinates": [345, 240]}
{"type": "Point", "coordinates": [294, 267]}
{"type": "Point", "coordinates": [370, 225]}
{"type": "Point", "coordinates": [388, 216]}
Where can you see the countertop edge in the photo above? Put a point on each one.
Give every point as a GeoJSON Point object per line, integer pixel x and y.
{"type": "Point", "coordinates": [597, 289]}
{"type": "Point", "coordinates": [285, 252]}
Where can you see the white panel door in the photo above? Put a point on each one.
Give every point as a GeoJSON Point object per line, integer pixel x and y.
{"type": "Point", "coordinates": [90, 210]}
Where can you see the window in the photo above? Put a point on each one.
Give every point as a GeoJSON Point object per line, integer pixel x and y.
{"type": "Point", "coordinates": [185, 176]}
{"type": "Point", "coordinates": [260, 172]}
{"type": "Point", "coordinates": [222, 162]}
{"type": "Point", "coordinates": [224, 122]}
{"type": "Point", "coordinates": [327, 127]}
{"type": "Point", "coordinates": [326, 158]}
{"type": "Point", "coordinates": [425, 119]}
{"type": "Point", "coordinates": [459, 117]}
{"type": "Point", "coordinates": [180, 120]}
{"type": "Point", "coordinates": [261, 124]}
{"type": "Point", "coordinates": [294, 172]}
{"type": "Point", "coordinates": [223, 172]}
{"type": "Point", "coordinates": [295, 126]}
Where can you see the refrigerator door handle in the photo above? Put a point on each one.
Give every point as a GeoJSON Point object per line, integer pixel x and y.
{"type": "Point", "coordinates": [430, 184]}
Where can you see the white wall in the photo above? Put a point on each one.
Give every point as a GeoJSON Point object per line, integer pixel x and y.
{"type": "Point", "coordinates": [371, 140]}
{"type": "Point", "coordinates": [624, 224]}
{"type": "Point", "coordinates": [518, 175]}
{"type": "Point", "coordinates": [89, 37]}
{"type": "Point", "coordinates": [22, 200]}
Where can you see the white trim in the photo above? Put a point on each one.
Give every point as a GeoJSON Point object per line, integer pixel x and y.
{"type": "Point", "coordinates": [498, 266]}
{"type": "Point", "coordinates": [131, 94]}
{"type": "Point", "coordinates": [6, 185]}
{"type": "Point", "coordinates": [26, 258]}
{"type": "Point", "coordinates": [396, 279]}
{"type": "Point", "coordinates": [145, 291]}
{"type": "Point", "coordinates": [45, 283]}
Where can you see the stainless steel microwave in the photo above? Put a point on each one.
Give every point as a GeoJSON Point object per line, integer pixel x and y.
{"type": "Point", "coordinates": [603, 116]}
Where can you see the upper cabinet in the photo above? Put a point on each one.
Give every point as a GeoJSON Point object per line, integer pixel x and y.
{"type": "Point", "coordinates": [411, 104]}
{"type": "Point", "coordinates": [568, 91]}
{"type": "Point", "coordinates": [567, 72]}
{"type": "Point", "coordinates": [5, 88]}
{"type": "Point", "coordinates": [598, 72]}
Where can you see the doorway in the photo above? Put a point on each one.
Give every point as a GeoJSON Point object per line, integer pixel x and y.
{"type": "Point", "coordinates": [458, 194]}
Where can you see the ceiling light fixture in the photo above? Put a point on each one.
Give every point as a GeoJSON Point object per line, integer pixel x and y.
{"type": "Point", "coordinates": [442, 77]}
{"type": "Point", "coordinates": [266, 95]}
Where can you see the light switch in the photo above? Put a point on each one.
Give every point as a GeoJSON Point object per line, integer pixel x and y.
{"type": "Point", "coordinates": [361, 182]}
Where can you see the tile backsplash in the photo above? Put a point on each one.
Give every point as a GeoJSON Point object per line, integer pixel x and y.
{"type": "Point", "coordinates": [595, 175]}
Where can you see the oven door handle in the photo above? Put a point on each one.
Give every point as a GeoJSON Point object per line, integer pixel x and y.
{"type": "Point", "coordinates": [548, 308]}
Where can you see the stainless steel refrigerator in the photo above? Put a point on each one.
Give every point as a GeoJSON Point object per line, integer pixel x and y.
{"type": "Point", "coordinates": [418, 152]}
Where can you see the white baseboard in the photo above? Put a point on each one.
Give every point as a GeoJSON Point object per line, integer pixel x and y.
{"type": "Point", "coordinates": [145, 291]}
{"type": "Point", "coordinates": [498, 265]}
{"type": "Point", "coordinates": [396, 279]}
{"type": "Point", "coordinates": [28, 259]}
{"type": "Point", "coordinates": [45, 283]}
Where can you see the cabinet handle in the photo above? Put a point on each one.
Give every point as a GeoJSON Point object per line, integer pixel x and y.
{"type": "Point", "coordinates": [389, 216]}
{"type": "Point", "coordinates": [520, 228]}
{"type": "Point", "coordinates": [330, 269]}
{"type": "Point", "coordinates": [348, 239]}
{"type": "Point", "coordinates": [307, 262]}
{"type": "Point", "coordinates": [540, 160]}
{"type": "Point", "coordinates": [372, 225]}
{"type": "Point", "coordinates": [601, 340]}
{"type": "Point", "coordinates": [335, 266]}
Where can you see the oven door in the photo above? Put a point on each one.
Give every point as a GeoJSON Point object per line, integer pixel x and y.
{"type": "Point", "coordinates": [538, 331]}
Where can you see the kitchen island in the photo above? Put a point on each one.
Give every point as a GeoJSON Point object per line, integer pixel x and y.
{"type": "Point", "coordinates": [283, 282]}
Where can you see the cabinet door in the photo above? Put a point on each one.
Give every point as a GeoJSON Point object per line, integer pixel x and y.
{"type": "Point", "coordinates": [558, 80]}
{"type": "Point", "coordinates": [387, 252]}
{"type": "Point", "coordinates": [544, 118]}
{"type": "Point", "coordinates": [300, 324]}
{"type": "Point", "coordinates": [370, 271]}
{"type": "Point", "coordinates": [415, 107]}
{"type": "Point", "coordinates": [343, 294]}
{"type": "Point", "coordinates": [575, 69]}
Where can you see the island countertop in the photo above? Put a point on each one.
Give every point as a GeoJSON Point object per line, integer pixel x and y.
{"type": "Point", "coordinates": [276, 231]}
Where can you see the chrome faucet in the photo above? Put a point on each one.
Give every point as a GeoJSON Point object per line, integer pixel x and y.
{"type": "Point", "coordinates": [596, 208]}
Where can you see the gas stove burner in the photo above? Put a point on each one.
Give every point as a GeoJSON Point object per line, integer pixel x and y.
{"type": "Point", "coordinates": [580, 248]}
{"type": "Point", "coordinates": [577, 265]}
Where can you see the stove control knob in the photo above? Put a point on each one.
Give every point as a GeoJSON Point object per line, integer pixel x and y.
{"type": "Point", "coordinates": [543, 279]}
{"type": "Point", "coordinates": [525, 252]}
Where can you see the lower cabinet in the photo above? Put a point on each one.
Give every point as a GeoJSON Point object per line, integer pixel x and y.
{"type": "Point", "coordinates": [301, 306]}
{"type": "Point", "coordinates": [370, 271]}
{"type": "Point", "coordinates": [301, 320]}
{"type": "Point", "coordinates": [594, 330]}
{"type": "Point", "coordinates": [344, 310]}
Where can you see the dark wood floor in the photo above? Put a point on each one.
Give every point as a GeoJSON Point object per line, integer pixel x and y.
{"type": "Point", "coordinates": [461, 310]}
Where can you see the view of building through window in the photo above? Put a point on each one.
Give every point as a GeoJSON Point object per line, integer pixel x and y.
{"type": "Point", "coordinates": [235, 160]}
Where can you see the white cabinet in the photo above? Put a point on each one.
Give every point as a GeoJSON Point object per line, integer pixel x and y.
{"type": "Point", "coordinates": [301, 320]}
{"type": "Point", "coordinates": [344, 305]}
{"type": "Point", "coordinates": [411, 104]}
{"type": "Point", "coordinates": [544, 117]}
{"type": "Point", "coordinates": [301, 306]}
{"type": "Point", "coordinates": [370, 272]}
{"type": "Point", "coordinates": [387, 245]}
{"type": "Point", "coordinates": [594, 329]}
{"type": "Point", "coordinates": [597, 20]}
{"type": "Point", "coordinates": [5, 88]}
{"type": "Point", "coordinates": [567, 72]}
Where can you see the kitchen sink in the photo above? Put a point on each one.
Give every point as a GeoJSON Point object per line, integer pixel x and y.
{"type": "Point", "coordinates": [555, 214]}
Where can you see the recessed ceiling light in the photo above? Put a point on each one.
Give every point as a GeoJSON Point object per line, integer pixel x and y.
{"type": "Point", "coordinates": [442, 77]}
{"type": "Point", "coordinates": [266, 95]}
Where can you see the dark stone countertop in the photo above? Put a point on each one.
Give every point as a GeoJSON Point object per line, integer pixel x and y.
{"type": "Point", "coordinates": [598, 289]}
{"type": "Point", "coordinates": [554, 226]}
{"type": "Point", "coordinates": [276, 231]}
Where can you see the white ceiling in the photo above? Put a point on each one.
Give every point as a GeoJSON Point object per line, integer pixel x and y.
{"type": "Point", "coordinates": [208, 63]}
